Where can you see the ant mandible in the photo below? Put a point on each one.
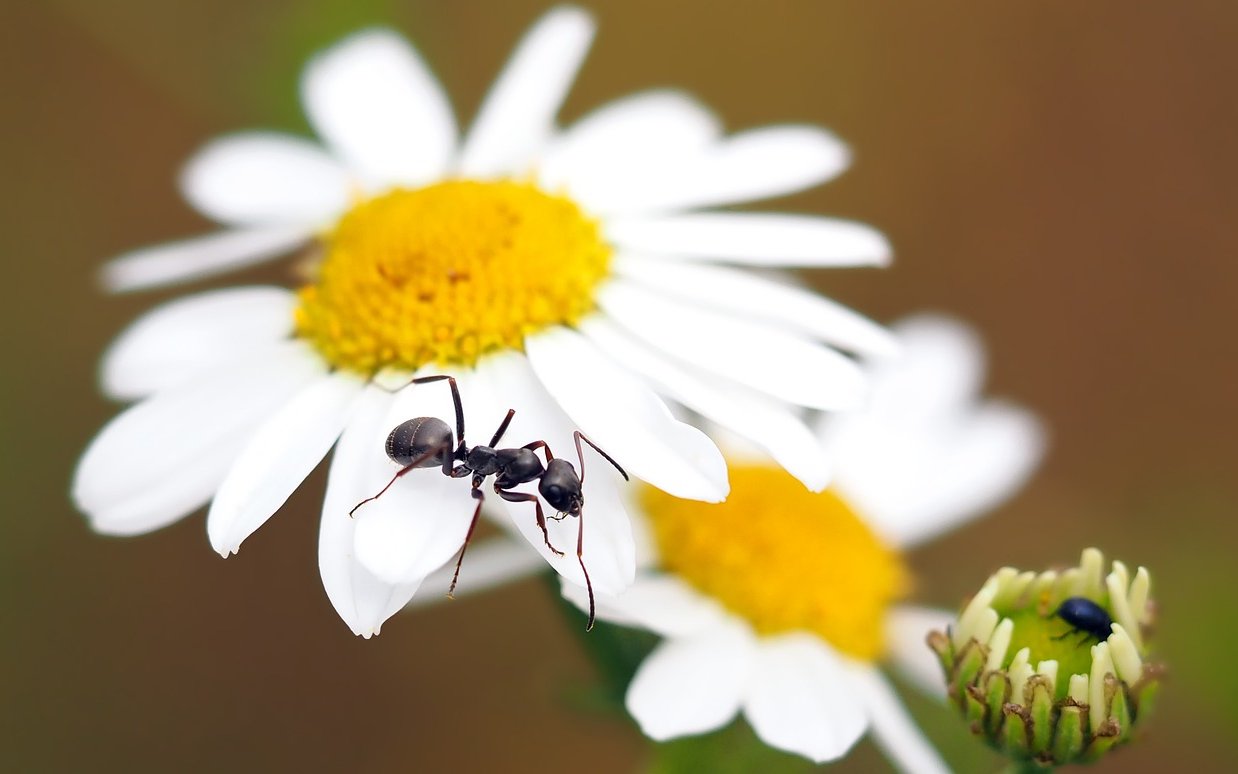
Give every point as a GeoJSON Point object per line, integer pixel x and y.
{"type": "Point", "coordinates": [427, 442]}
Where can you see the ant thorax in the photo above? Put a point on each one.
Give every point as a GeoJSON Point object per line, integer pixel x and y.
{"type": "Point", "coordinates": [482, 460]}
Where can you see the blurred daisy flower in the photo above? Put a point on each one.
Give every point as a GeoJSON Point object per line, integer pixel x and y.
{"type": "Point", "coordinates": [784, 604]}
{"type": "Point", "coordinates": [569, 275]}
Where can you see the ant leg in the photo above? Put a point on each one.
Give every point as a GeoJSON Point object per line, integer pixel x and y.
{"type": "Point", "coordinates": [522, 497]}
{"type": "Point", "coordinates": [498, 434]}
{"type": "Point", "coordinates": [480, 497]}
{"type": "Point", "coordinates": [455, 398]}
{"type": "Point", "coordinates": [580, 547]}
{"type": "Point", "coordinates": [406, 469]}
{"type": "Point", "coordinates": [579, 436]}
{"type": "Point", "coordinates": [540, 445]}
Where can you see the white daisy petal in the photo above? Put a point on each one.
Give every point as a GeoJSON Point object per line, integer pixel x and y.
{"type": "Point", "coordinates": [892, 728]}
{"type": "Point", "coordinates": [420, 523]}
{"type": "Point", "coordinates": [940, 369]}
{"type": "Point", "coordinates": [986, 462]}
{"type": "Point", "coordinates": [798, 699]}
{"type": "Point", "coordinates": [415, 528]}
{"type": "Point", "coordinates": [609, 154]}
{"type": "Point", "coordinates": [278, 458]}
{"type": "Point", "coordinates": [764, 358]}
{"type": "Point", "coordinates": [754, 238]}
{"type": "Point", "coordinates": [752, 165]}
{"type": "Point", "coordinates": [907, 627]}
{"type": "Point", "coordinates": [739, 292]}
{"type": "Point", "coordinates": [518, 114]}
{"type": "Point", "coordinates": [925, 456]}
{"type": "Point", "coordinates": [771, 426]}
{"type": "Point", "coordinates": [663, 604]}
{"type": "Point", "coordinates": [691, 685]}
{"type": "Point", "coordinates": [361, 599]}
{"type": "Point", "coordinates": [197, 257]}
{"type": "Point", "coordinates": [489, 562]}
{"type": "Point", "coordinates": [265, 178]}
{"type": "Point", "coordinates": [375, 102]}
{"type": "Point", "coordinates": [623, 416]}
{"type": "Point", "coordinates": [192, 334]}
{"type": "Point", "coordinates": [506, 381]}
{"type": "Point", "coordinates": [164, 457]}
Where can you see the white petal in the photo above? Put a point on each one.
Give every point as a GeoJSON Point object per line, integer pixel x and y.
{"type": "Point", "coordinates": [421, 522]}
{"type": "Point", "coordinates": [907, 627]}
{"type": "Point", "coordinates": [278, 458]}
{"type": "Point", "coordinates": [757, 164]}
{"type": "Point", "coordinates": [374, 101]}
{"type": "Point", "coordinates": [991, 459]}
{"type": "Point", "coordinates": [610, 153]}
{"type": "Point", "coordinates": [755, 238]}
{"type": "Point", "coordinates": [931, 479]}
{"type": "Point", "coordinates": [771, 426]}
{"type": "Point", "coordinates": [744, 293]}
{"type": "Point", "coordinates": [265, 178]}
{"type": "Point", "coordinates": [609, 553]}
{"type": "Point", "coordinates": [624, 417]}
{"type": "Point", "coordinates": [924, 456]}
{"type": "Point", "coordinates": [164, 457]}
{"type": "Point", "coordinates": [800, 699]}
{"type": "Point", "coordinates": [517, 115]}
{"type": "Point", "coordinates": [490, 562]}
{"type": "Point", "coordinates": [361, 599]}
{"type": "Point", "coordinates": [940, 369]}
{"type": "Point", "coordinates": [184, 337]}
{"type": "Point", "coordinates": [198, 257]}
{"type": "Point", "coordinates": [691, 685]}
{"type": "Point", "coordinates": [759, 356]}
{"type": "Point", "coordinates": [893, 729]}
{"type": "Point", "coordinates": [663, 604]}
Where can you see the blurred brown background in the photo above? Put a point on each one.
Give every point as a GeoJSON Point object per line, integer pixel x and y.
{"type": "Point", "coordinates": [1060, 174]}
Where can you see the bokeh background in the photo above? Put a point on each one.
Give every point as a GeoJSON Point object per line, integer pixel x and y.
{"type": "Point", "coordinates": [1060, 174]}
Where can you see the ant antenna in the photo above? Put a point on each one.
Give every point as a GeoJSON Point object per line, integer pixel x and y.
{"type": "Point", "coordinates": [580, 527]}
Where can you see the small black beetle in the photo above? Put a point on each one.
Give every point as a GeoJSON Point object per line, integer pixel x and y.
{"type": "Point", "coordinates": [1085, 616]}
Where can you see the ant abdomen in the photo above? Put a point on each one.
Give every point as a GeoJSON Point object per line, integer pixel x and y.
{"type": "Point", "coordinates": [412, 439]}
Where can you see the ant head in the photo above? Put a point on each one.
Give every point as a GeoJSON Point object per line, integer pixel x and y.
{"type": "Point", "coordinates": [561, 487]}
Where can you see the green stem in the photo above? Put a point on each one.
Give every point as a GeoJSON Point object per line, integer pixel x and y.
{"type": "Point", "coordinates": [616, 651]}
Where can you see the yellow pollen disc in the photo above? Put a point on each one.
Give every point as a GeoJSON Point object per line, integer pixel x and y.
{"type": "Point", "coordinates": [783, 558]}
{"type": "Point", "coordinates": [447, 273]}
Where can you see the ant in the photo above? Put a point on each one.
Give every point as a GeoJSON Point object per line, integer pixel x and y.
{"type": "Point", "coordinates": [428, 442]}
{"type": "Point", "coordinates": [1084, 616]}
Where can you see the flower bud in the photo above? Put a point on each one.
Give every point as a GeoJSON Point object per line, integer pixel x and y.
{"type": "Point", "coordinates": [1052, 668]}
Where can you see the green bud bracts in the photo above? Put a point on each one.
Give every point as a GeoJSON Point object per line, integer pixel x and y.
{"type": "Point", "coordinates": [1046, 684]}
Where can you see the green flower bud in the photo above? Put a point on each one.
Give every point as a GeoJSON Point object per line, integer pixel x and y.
{"type": "Point", "coordinates": [1049, 684]}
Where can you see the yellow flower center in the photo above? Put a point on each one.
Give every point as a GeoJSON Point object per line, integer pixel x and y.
{"type": "Point", "coordinates": [783, 558]}
{"type": "Point", "coordinates": [445, 274]}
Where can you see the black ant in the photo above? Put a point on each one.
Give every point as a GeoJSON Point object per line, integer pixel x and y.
{"type": "Point", "coordinates": [427, 442]}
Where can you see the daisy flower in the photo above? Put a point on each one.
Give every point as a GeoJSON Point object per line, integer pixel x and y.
{"type": "Point", "coordinates": [567, 274]}
{"type": "Point", "coordinates": [783, 604]}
